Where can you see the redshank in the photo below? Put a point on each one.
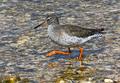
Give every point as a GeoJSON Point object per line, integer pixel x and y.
{"type": "Point", "coordinates": [68, 35]}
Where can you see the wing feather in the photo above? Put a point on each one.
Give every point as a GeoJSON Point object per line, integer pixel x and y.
{"type": "Point", "coordinates": [78, 31]}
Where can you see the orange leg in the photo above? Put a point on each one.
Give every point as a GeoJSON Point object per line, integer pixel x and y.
{"type": "Point", "coordinates": [57, 52]}
{"type": "Point", "coordinates": [81, 55]}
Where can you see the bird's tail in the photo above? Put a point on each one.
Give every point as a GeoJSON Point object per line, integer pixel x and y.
{"type": "Point", "coordinates": [100, 30]}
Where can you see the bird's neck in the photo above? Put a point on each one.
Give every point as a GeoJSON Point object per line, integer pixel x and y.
{"type": "Point", "coordinates": [51, 30]}
{"type": "Point", "coordinates": [51, 26]}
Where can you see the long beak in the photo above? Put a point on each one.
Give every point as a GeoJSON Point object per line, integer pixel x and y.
{"type": "Point", "coordinates": [40, 24]}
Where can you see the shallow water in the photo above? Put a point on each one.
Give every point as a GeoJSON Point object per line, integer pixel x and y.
{"type": "Point", "coordinates": [23, 50]}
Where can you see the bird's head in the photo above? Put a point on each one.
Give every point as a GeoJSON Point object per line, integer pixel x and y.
{"type": "Point", "coordinates": [52, 19]}
{"type": "Point", "coordinates": [49, 20]}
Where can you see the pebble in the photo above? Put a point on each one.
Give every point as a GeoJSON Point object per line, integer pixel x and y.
{"type": "Point", "coordinates": [60, 80]}
{"type": "Point", "coordinates": [2, 63]}
{"type": "Point", "coordinates": [84, 81]}
{"type": "Point", "coordinates": [11, 64]}
{"type": "Point", "coordinates": [109, 2]}
{"type": "Point", "coordinates": [108, 81]}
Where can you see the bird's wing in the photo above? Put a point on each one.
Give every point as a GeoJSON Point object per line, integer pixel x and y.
{"type": "Point", "coordinates": [78, 31]}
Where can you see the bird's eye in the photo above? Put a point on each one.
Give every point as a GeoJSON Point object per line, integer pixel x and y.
{"type": "Point", "coordinates": [48, 18]}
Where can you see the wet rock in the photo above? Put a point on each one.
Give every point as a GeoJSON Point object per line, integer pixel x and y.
{"type": "Point", "coordinates": [109, 2]}
{"type": "Point", "coordinates": [2, 63]}
{"type": "Point", "coordinates": [108, 81]}
{"type": "Point", "coordinates": [11, 64]}
{"type": "Point", "coordinates": [60, 81]}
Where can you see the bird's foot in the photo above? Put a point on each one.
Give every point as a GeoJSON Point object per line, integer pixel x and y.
{"type": "Point", "coordinates": [52, 53]}
{"type": "Point", "coordinates": [80, 60]}
{"type": "Point", "coordinates": [80, 57]}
